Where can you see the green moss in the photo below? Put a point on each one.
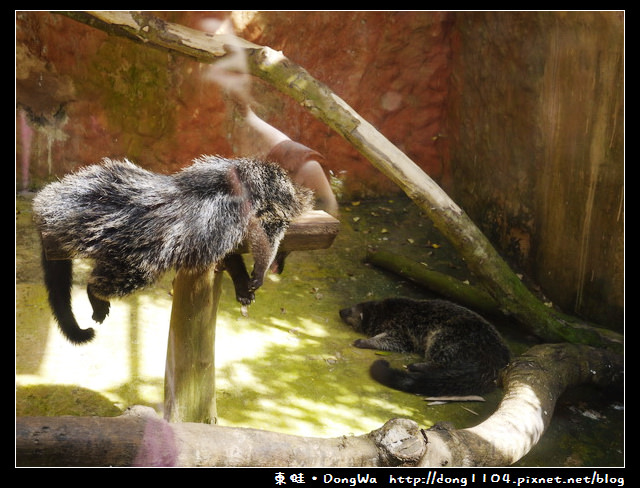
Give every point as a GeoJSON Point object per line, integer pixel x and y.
{"type": "Point", "coordinates": [134, 84]}
{"type": "Point", "coordinates": [57, 400]}
{"type": "Point", "coordinates": [289, 365]}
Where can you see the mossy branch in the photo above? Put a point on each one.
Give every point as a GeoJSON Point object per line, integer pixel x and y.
{"type": "Point", "coordinates": [291, 79]}
{"type": "Point", "coordinates": [443, 284]}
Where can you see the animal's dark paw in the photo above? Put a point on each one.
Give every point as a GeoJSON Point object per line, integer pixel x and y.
{"type": "Point", "coordinates": [419, 367]}
{"type": "Point", "coordinates": [255, 283]}
{"type": "Point", "coordinates": [244, 293]}
{"type": "Point", "coordinates": [278, 263]}
{"type": "Point", "coordinates": [379, 369]}
{"type": "Point", "coordinates": [245, 298]}
{"type": "Point", "coordinates": [99, 305]}
{"type": "Point", "coordinates": [100, 310]}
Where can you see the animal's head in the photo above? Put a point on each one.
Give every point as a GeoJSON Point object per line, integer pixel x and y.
{"type": "Point", "coordinates": [355, 316]}
{"type": "Point", "coordinates": [375, 316]}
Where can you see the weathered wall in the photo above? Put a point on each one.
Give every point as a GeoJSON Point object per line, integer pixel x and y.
{"type": "Point", "coordinates": [84, 95]}
{"type": "Point", "coordinates": [106, 96]}
{"type": "Point", "coordinates": [537, 144]}
{"type": "Point", "coordinates": [391, 67]}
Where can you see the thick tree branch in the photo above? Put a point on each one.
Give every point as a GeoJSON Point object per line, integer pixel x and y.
{"type": "Point", "coordinates": [482, 259]}
{"type": "Point", "coordinates": [533, 384]}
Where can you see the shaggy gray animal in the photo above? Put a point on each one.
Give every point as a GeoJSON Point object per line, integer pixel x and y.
{"type": "Point", "coordinates": [463, 352]}
{"type": "Point", "coordinates": [136, 225]}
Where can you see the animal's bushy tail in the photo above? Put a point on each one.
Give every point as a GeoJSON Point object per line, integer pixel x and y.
{"type": "Point", "coordinates": [434, 381]}
{"type": "Point", "coordinates": [57, 279]}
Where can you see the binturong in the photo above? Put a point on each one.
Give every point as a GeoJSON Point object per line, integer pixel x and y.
{"type": "Point", "coordinates": [136, 225]}
{"type": "Point", "coordinates": [463, 354]}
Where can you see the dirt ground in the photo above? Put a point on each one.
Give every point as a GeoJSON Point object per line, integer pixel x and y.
{"type": "Point", "coordinates": [289, 365]}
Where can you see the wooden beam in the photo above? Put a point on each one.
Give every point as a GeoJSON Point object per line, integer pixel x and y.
{"type": "Point", "coordinates": [189, 393]}
{"type": "Point", "coordinates": [315, 229]}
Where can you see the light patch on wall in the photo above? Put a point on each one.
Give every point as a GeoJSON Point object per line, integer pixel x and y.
{"type": "Point", "coordinates": [391, 101]}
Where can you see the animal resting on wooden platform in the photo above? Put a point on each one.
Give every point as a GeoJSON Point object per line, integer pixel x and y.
{"type": "Point", "coordinates": [136, 225]}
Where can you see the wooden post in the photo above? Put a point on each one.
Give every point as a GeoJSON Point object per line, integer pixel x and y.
{"type": "Point", "coordinates": [189, 381]}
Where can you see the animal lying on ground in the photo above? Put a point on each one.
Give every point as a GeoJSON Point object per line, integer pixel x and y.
{"type": "Point", "coordinates": [463, 353]}
{"type": "Point", "coordinates": [136, 225]}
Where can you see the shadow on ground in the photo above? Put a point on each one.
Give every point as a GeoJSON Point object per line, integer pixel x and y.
{"type": "Point", "coordinates": [289, 365]}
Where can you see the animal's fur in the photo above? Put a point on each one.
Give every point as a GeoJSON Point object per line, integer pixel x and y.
{"type": "Point", "coordinates": [136, 225]}
{"type": "Point", "coordinates": [463, 352]}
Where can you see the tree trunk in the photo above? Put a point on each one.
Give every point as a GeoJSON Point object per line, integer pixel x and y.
{"type": "Point", "coordinates": [291, 79]}
{"type": "Point", "coordinates": [533, 384]}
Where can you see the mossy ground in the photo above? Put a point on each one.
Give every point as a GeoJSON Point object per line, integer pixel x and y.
{"type": "Point", "coordinates": [289, 365]}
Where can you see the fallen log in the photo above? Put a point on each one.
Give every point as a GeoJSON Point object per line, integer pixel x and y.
{"type": "Point", "coordinates": [464, 294]}
{"type": "Point", "coordinates": [532, 385]}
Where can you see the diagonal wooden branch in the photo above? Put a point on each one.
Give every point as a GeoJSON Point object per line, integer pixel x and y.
{"type": "Point", "coordinates": [533, 384]}
{"type": "Point", "coordinates": [291, 79]}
